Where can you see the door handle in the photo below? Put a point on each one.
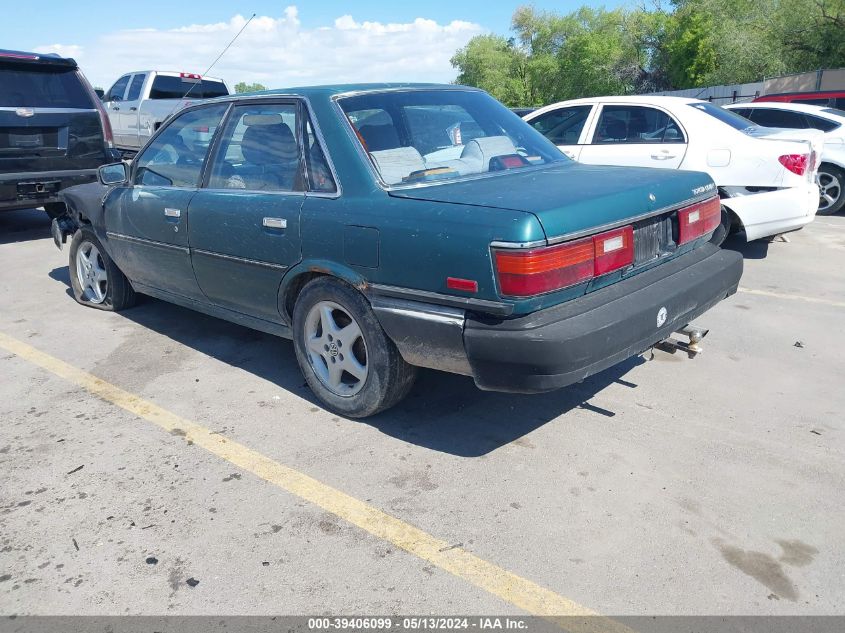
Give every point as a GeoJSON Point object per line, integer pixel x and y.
{"type": "Point", "coordinates": [133, 109]}
{"type": "Point", "coordinates": [172, 213]}
{"type": "Point", "coordinates": [275, 223]}
{"type": "Point", "coordinates": [115, 108]}
{"type": "Point", "coordinates": [662, 156]}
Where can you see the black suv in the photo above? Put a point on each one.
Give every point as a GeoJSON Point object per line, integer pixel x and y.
{"type": "Point", "coordinates": [54, 131]}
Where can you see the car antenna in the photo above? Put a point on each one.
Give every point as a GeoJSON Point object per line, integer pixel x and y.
{"type": "Point", "coordinates": [223, 52]}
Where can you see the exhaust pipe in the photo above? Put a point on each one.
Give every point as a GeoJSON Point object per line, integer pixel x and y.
{"type": "Point", "coordinates": [692, 346]}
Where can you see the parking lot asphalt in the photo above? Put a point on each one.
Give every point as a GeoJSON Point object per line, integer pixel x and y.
{"type": "Point", "coordinates": [673, 486]}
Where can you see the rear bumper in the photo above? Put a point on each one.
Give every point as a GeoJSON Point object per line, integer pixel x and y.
{"type": "Point", "coordinates": [23, 190]}
{"type": "Point", "coordinates": [773, 212]}
{"type": "Point", "coordinates": [564, 344]}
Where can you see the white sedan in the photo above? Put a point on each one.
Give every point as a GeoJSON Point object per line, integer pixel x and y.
{"type": "Point", "coordinates": [801, 116]}
{"type": "Point", "coordinates": [766, 178]}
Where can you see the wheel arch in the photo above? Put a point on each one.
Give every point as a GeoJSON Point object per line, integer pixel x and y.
{"type": "Point", "coordinates": [307, 270]}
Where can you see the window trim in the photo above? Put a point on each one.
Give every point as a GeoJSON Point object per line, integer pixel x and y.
{"type": "Point", "coordinates": [600, 111]}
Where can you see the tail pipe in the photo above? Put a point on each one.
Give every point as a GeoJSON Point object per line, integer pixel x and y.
{"type": "Point", "coordinates": [692, 346]}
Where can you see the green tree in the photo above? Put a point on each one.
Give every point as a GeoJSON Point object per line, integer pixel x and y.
{"type": "Point", "coordinates": [242, 87]}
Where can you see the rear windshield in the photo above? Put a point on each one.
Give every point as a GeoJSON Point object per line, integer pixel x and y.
{"type": "Point", "coordinates": [725, 116]}
{"type": "Point", "coordinates": [421, 136]}
{"type": "Point", "coordinates": [169, 87]}
{"type": "Point", "coordinates": [40, 87]}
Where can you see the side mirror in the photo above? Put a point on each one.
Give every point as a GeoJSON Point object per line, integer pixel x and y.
{"type": "Point", "coordinates": [100, 93]}
{"type": "Point", "coordinates": [114, 174]}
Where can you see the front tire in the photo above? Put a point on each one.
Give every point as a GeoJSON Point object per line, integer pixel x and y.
{"type": "Point", "coordinates": [95, 279]}
{"type": "Point", "coordinates": [348, 361]}
{"type": "Point", "coordinates": [831, 194]}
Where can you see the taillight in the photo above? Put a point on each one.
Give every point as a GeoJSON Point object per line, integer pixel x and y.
{"type": "Point", "coordinates": [796, 163]}
{"type": "Point", "coordinates": [108, 136]}
{"type": "Point", "coordinates": [699, 219]}
{"type": "Point", "coordinates": [614, 250]}
{"type": "Point", "coordinates": [540, 270]}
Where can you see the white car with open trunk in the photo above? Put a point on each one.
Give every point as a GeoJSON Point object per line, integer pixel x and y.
{"type": "Point", "coordinates": [766, 178]}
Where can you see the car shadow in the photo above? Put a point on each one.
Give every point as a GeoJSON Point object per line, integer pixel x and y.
{"type": "Point", "coordinates": [757, 249]}
{"type": "Point", "coordinates": [23, 225]}
{"type": "Point", "coordinates": [444, 412]}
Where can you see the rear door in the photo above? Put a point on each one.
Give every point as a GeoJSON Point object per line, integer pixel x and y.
{"type": "Point", "coordinates": [128, 116]}
{"type": "Point", "coordinates": [48, 121]}
{"type": "Point", "coordinates": [244, 224]}
{"type": "Point", "coordinates": [565, 127]}
{"type": "Point", "coordinates": [636, 136]}
{"type": "Point", "coordinates": [147, 221]}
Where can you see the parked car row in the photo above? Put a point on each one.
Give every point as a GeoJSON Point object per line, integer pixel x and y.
{"type": "Point", "coordinates": [766, 177]}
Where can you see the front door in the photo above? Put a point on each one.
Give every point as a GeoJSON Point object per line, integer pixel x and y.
{"type": "Point", "coordinates": [564, 127]}
{"type": "Point", "coordinates": [147, 222]}
{"type": "Point", "coordinates": [244, 229]}
{"type": "Point", "coordinates": [113, 103]}
{"type": "Point", "coordinates": [635, 136]}
{"type": "Point", "coordinates": [128, 116]}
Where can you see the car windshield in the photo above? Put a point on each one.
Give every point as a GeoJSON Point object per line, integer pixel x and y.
{"type": "Point", "coordinates": [736, 121]}
{"type": "Point", "coordinates": [422, 136]}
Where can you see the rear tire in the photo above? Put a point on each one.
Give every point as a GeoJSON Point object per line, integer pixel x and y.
{"type": "Point", "coordinates": [95, 279]}
{"type": "Point", "coordinates": [831, 184]}
{"type": "Point", "coordinates": [348, 361]}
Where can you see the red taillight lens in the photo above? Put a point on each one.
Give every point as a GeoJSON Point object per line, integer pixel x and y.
{"type": "Point", "coordinates": [614, 250]}
{"type": "Point", "coordinates": [796, 163]}
{"type": "Point", "coordinates": [540, 270]}
{"type": "Point", "coordinates": [698, 220]}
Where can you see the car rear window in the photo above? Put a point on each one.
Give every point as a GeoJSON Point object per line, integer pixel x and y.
{"type": "Point", "coordinates": [171, 87]}
{"type": "Point", "coordinates": [34, 87]}
{"type": "Point", "coordinates": [725, 116]}
{"type": "Point", "coordinates": [419, 136]}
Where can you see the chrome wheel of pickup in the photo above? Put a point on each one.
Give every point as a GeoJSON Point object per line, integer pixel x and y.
{"type": "Point", "coordinates": [336, 348]}
{"type": "Point", "coordinates": [91, 273]}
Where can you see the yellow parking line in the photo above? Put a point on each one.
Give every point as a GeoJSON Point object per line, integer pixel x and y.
{"type": "Point", "coordinates": [785, 295]}
{"type": "Point", "coordinates": [518, 591]}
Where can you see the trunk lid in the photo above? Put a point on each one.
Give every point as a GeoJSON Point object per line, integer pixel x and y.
{"type": "Point", "coordinates": [574, 198]}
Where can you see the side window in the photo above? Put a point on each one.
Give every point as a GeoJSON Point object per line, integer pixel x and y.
{"type": "Point", "coordinates": [825, 125]}
{"type": "Point", "coordinates": [115, 93]}
{"type": "Point", "coordinates": [746, 112]}
{"type": "Point", "coordinates": [319, 175]}
{"type": "Point", "coordinates": [770, 117]}
{"type": "Point", "coordinates": [135, 87]}
{"type": "Point", "coordinates": [563, 126]}
{"type": "Point", "coordinates": [636, 124]}
{"type": "Point", "coordinates": [175, 158]}
{"type": "Point", "coordinates": [259, 150]}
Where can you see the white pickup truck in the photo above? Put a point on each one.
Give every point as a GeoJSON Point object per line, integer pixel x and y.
{"type": "Point", "coordinates": [139, 102]}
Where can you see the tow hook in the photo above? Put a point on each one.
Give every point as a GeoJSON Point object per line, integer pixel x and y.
{"type": "Point", "coordinates": [692, 346]}
{"type": "Point", "coordinates": [61, 227]}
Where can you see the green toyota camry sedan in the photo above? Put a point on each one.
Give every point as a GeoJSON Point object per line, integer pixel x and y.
{"type": "Point", "coordinates": [395, 226]}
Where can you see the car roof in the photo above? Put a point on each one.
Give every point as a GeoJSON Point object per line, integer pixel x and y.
{"type": "Point", "coordinates": [36, 58]}
{"type": "Point", "coordinates": [806, 108]}
{"type": "Point", "coordinates": [632, 99]}
{"type": "Point", "coordinates": [337, 89]}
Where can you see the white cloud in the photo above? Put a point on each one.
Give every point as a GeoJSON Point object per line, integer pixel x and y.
{"type": "Point", "coordinates": [279, 52]}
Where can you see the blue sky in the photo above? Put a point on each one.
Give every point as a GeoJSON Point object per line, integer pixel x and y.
{"type": "Point", "coordinates": [290, 42]}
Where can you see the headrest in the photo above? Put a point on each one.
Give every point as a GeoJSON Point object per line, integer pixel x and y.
{"type": "Point", "coordinates": [272, 144]}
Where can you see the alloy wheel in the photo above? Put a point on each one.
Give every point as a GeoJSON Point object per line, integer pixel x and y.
{"type": "Point", "coordinates": [336, 348]}
{"type": "Point", "coordinates": [830, 190]}
{"type": "Point", "coordinates": [91, 273]}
